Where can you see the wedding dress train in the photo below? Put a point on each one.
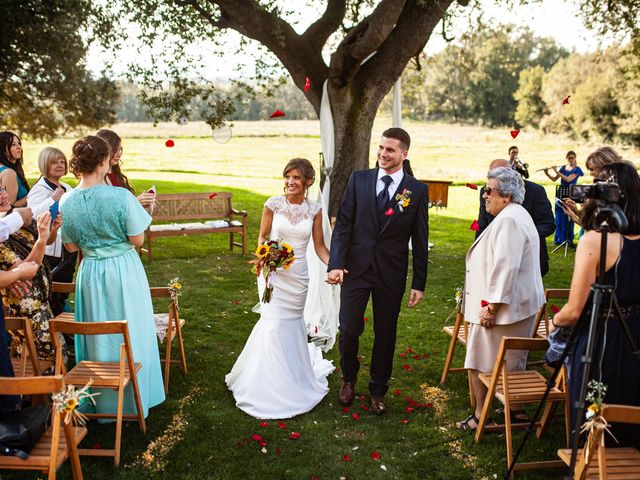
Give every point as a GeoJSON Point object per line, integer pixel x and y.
{"type": "Point", "coordinates": [278, 374]}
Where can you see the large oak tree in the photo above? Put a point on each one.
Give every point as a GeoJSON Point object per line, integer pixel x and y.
{"type": "Point", "coordinates": [370, 54]}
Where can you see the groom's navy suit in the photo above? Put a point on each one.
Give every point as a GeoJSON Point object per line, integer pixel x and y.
{"type": "Point", "coordinates": [374, 249]}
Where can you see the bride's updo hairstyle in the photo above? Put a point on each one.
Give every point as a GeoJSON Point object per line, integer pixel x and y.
{"type": "Point", "coordinates": [305, 169]}
{"type": "Point", "coordinates": [88, 153]}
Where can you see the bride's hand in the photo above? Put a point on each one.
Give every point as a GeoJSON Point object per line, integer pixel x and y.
{"type": "Point", "coordinates": [336, 276]}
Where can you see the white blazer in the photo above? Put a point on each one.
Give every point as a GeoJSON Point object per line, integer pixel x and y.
{"type": "Point", "coordinates": [39, 201]}
{"type": "Point", "coordinates": [503, 266]}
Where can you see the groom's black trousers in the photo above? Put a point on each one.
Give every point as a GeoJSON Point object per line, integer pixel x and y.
{"type": "Point", "coordinates": [354, 297]}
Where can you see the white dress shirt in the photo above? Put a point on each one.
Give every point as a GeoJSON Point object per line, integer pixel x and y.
{"type": "Point", "coordinates": [396, 178]}
{"type": "Point", "coordinates": [10, 224]}
{"type": "Point", "coordinates": [39, 201]}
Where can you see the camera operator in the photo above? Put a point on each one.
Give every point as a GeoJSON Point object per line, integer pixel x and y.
{"type": "Point", "coordinates": [613, 363]}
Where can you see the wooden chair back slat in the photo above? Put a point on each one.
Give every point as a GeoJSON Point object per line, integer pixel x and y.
{"type": "Point", "coordinates": [31, 385]}
{"type": "Point", "coordinates": [29, 344]}
{"type": "Point", "coordinates": [88, 328]}
{"type": "Point", "coordinates": [60, 287]}
{"type": "Point", "coordinates": [621, 413]}
{"type": "Point", "coordinates": [194, 206]}
{"type": "Point", "coordinates": [160, 292]}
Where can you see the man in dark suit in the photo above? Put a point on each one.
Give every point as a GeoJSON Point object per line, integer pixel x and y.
{"type": "Point", "coordinates": [536, 203]}
{"type": "Point", "coordinates": [381, 210]}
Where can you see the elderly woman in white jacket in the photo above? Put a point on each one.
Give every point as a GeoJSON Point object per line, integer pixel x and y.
{"type": "Point", "coordinates": [48, 190]}
{"type": "Point", "coordinates": [503, 283]}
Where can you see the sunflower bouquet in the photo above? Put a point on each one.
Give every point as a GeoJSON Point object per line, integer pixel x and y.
{"type": "Point", "coordinates": [271, 255]}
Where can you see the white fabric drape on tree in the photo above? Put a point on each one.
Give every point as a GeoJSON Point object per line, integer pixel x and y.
{"type": "Point", "coordinates": [323, 300]}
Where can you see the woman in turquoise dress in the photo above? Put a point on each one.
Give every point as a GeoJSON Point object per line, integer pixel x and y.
{"type": "Point", "coordinates": [12, 176]}
{"type": "Point", "coordinates": [107, 224]}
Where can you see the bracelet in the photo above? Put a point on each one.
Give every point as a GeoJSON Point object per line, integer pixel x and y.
{"type": "Point", "coordinates": [553, 323]}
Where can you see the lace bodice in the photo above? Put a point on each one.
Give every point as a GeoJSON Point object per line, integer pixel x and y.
{"type": "Point", "coordinates": [101, 216]}
{"type": "Point", "coordinates": [292, 223]}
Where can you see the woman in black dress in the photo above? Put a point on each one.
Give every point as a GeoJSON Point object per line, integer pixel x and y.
{"type": "Point", "coordinates": [613, 364]}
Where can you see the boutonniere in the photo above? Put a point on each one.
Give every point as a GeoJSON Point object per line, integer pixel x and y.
{"type": "Point", "coordinates": [403, 199]}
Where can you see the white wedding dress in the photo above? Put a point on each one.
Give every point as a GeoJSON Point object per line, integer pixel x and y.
{"type": "Point", "coordinates": [278, 374]}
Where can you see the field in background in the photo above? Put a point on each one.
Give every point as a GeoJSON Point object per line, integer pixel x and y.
{"type": "Point", "coordinates": [256, 153]}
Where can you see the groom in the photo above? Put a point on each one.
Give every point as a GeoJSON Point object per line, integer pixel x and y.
{"type": "Point", "coordinates": [381, 210]}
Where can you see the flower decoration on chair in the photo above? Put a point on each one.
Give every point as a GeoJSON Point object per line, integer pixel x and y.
{"type": "Point", "coordinates": [271, 255]}
{"type": "Point", "coordinates": [594, 418]}
{"type": "Point", "coordinates": [174, 288]}
{"type": "Point", "coordinates": [403, 199]}
{"type": "Point", "coordinates": [68, 399]}
{"type": "Point", "coordinates": [458, 298]}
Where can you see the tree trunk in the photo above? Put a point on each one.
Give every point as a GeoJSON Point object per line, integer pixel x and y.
{"type": "Point", "coordinates": [353, 116]}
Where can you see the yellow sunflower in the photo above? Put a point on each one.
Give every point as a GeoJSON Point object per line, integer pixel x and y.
{"type": "Point", "coordinates": [286, 247]}
{"type": "Point", "coordinates": [261, 251]}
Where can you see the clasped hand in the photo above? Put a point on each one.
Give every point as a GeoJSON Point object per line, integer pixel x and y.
{"type": "Point", "coordinates": [336, 276]}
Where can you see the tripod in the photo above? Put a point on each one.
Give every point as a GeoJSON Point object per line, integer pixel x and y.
{"type": "Point", "coordinates": [599, 289]}
{"type": "Point", "coordinates": [562, 191]}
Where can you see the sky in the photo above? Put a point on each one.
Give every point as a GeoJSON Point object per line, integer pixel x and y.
{"type": "Point", "coordinates": [548, 18]}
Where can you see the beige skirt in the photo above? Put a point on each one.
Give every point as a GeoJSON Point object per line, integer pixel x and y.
{"type": "Point", "coordinates": [483, 345]}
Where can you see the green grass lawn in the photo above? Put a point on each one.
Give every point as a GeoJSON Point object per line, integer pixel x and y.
{"type": "Point", "coordinates": [198, 433]}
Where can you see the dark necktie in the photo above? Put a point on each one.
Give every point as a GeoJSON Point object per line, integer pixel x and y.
{"type": "Point", "coordinates": [383, 196]}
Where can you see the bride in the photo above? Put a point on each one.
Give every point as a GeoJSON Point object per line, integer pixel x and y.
{"type": "Point", "coordinates": [278, 374]}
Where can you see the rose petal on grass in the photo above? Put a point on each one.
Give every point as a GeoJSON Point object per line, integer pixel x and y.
{"type": "Point", "coordinates": [407, 367]}
{"type": "Point", "coordinates": [345, 409]}
{"type": "Point", "coordinates": [282, 425]}
{"type": "Point", "coordinates": [375, 455]}
{"type": "Point", "coordinates": [409, 409]}
{"type": "Point", "coordinates": [403, 355]}
{"type": "Point", "coordinates": [404, 420]}
{"type": "Point", "coordinates": [263, 443]}
{"type": "Point", "coordinates": [294, 435]}
{"type": "Point", "coordinates": [397, 392]}
{"type": "Point", "coordinates": [346, 458]}
{"type": "Point", "coordinates": [355, 416]}
{"type": "Point", "coordinates": [264, 424]}
{"type": "Point", "coordinates": [256, 438]}
{"type": "Point", "coordinates": [409, 350]}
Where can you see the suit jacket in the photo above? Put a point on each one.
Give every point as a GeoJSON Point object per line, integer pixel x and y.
{"type": "Point", "coordinates": [537, 204]}
{"type": "Point", "coordinates": [503, 266]}
{"type": "Point", "coordinates": [362, 238]}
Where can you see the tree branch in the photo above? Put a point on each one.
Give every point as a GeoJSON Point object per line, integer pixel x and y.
{"type": "Point", "coordinates": [319, 32]}
{"type": "Point", "coordinates": [364, 39]}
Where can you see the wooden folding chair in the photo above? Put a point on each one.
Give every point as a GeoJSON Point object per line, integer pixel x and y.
{"type": "Point", "coordinates": [541, 326]}
{"type": "Point", "coordinates": [519, 387]}
{"type": "Point", "coordinates": [27, 364]}
{"type": "Point", "coordinates": [174, 329]}
{"type": "Point", "coordinates": [69, 288]}
{"type": "Point", "coordinates": [52, 449]}
{"type": "Point", "coordinates": [108, 375]}
{"type": "Point", "coordinates": [458, 333]}
{"type": "Point", "coordinates": [612, 463]}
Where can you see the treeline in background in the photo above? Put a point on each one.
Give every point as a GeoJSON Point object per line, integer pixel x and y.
{"type": "Point", "coordinates": [502, 76]}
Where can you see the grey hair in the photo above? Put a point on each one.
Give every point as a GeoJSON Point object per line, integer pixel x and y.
{"type": "Point", "coordinates": [509, 183]}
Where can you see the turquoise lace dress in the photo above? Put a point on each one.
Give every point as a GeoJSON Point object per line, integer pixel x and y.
{"type": "Point", "coordinates": [112, 285]}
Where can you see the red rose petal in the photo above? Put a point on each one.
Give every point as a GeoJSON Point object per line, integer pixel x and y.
{"type": "Point", "coordinates": [474, 226]}
{"type": "Point", "coordinates": [375, 455]}
{"type": "Point", "coordinates": [97, 446]}
{"type": "Point", "coordinates": [236, 302]}
{"type": "Point", "coordinates": [169, 143]}
{"type": "Point", "coordinates": [256, 438]}
{"type": "Point", "coordinates": [389, 212]}
{"type": "Point", "coordinates": [403, 355]}
{"type": "Point", "coordinates": [410, 401]}
{"type": "Point", "coordinates": [365, 407]}
{"type": "Point", "coordinates": [407, 367]}
{"type": "Point", "coordinates": [472, 186]}
{"type": "Point", "coordinates": [355, 416]}
{"type": "Point", "coordinates": [276, 113]}
{"type": "Point", "coordinates": [514, 133]}
{"type": "Point", "coordinates": [214, 194]}
{"type": "Point", "coordinates": [396, 392]}
{"type": "Point", "coordinates": [483, 303]}
{"type": "Point", "coordinates": [262, 443]}
{"type": "Point", "coordinates": [409, 350]}
{"type": "Point", "coordinates": [566, 100]}
{"type": "Point", "coordinates": [554, 309]}
{"type": "Point", "coordinates": [361, 397]}
{"type": "Point", "coordinates": [264, 424]}
{"type": "Point", "coordinates": [417, 357]}
{"type": "Point", "coordinates": [366, 319]}
{"type": "Point", "coordinates": [307, 84]}
{"type": "Point", "coordinates": [282, 425]}
{"type": "Point", "coordinates": [345, 409]}
{"type": "Point", "coordinates": [404, 420]}
{"type": "Point", "coordinates": [346, 458]}
{"type": "Point", "coordinates": [294, 435]}
{"type": "Point", "coordinates": [409, 409]}
{"type": "Point", "coordinates": [426, 355]}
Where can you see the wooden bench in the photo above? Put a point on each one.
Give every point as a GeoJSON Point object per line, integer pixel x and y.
{"type": "Point", "coordinates": [206, 215]}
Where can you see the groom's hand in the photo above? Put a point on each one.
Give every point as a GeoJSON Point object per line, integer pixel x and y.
{"type": "Point", "coordinates": [414, 297]}
{"type": "Point", "coordinates": [336, 276]}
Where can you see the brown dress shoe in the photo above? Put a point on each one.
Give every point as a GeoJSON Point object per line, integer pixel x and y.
{"type": "Point", "coordinates": [377, 405]}
{"type": "Point", "coordinates": [347, 393]}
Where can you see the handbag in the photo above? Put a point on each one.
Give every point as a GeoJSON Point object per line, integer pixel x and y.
{"type": "Point", "coordinates": [21, 430]}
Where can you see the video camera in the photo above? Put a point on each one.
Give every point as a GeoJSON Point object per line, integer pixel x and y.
{"type": "Point", "coordinates": [608, 192]}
